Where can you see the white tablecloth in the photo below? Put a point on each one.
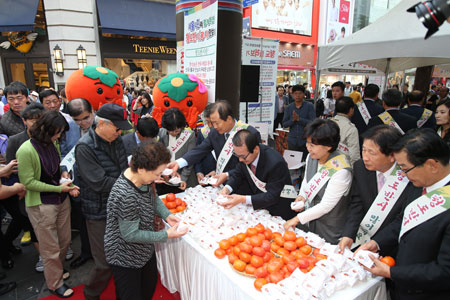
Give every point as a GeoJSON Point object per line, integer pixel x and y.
{"type": "Point", "coordinates": [197, 274]}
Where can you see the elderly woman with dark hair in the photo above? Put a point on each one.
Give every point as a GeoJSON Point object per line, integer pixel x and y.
{"type": "Point", "coordinates": [46, 200]}
{"type": "Point", "coordinates": [130, 231]}
{"type": "Point", "coordinates": [327, 181]}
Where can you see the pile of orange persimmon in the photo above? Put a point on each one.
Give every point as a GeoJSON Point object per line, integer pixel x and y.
{"type": "Point", "coordinates": [174, 204]}
{"type": "Point", "coordinates": [268, 256]}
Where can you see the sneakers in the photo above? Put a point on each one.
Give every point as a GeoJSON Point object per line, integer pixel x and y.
{"type": "Point", "coordinates": [39, 265]}
{"type": "Point", "coordinates": [26, 239]}
{"type": "Point", "coordinates": [69, 254]}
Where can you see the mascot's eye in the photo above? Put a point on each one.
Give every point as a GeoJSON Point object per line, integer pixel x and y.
{"type": "Point", "coordinates": [189, 103]}
{"type": "Point", "coordinates": [99, 91]}
{"type": "Point", "coordinates": [167, 103]}
{"type": "Point", "coordinates": [118, 91]}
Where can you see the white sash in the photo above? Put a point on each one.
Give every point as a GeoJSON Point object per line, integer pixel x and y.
{"type": "Point", "coordinates": [424, 208]}
{"type": "Point", "coordinates": [319, 180]}
{"type": "Point", "coordinates": [382, 205]}
{"type": "Point", "coordinates": [364, 111]}
{"type": "Point", "coordinates": [227, 149]}
{"type": "Point", "coordinates": [179, 143]}
{"type": "Point", "coordinates": [205, 131]}
{"type": "Point", "coordinates": [424, 117]}
{"type": "Point", "coordinates": [387, 119]}
{"type": "Point", "coordinates": [287, 192]}
{"type": "Point", "coordinates": [69, 159]}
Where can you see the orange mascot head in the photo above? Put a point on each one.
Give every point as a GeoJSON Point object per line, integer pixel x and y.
{"type": "Point", "coordinates": [98, 85]}
{"type": "Point", "coordinates": [183, 91]}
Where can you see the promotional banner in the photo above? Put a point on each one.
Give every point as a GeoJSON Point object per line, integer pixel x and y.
{"type": "Point", "coordinates": [263, 53]}
{"type": "Point", "coordinates": [200, 43]}
{"type": "Point", "coordinates": [180, 56]}
{"type": "Point", "coordinates": [293, 16]}
{"type": "Point", "coordinates": [339, 20]}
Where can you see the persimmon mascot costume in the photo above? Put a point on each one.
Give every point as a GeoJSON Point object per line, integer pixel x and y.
{"type": "Point", "coordinates": [98, 85]}
{"type": "Point", "coordinates": [183, 91]}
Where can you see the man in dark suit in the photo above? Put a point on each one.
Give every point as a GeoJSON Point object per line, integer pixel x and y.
{"type": "Point", "coordinates": [391, 103]}
{"type": "Point", "coordinates": [422, 269]}
{"type": "Point", "coordinates": [369, 176]}
{"type": "Point", "coordinates": [269, 167]}
{"type": "Point", "coordinates": [370, 96]}
{"type": "Point", "coordinates": [223, 120]}
{"type": "Point", "coordinates": [146, 129]}
{"type": "Point", "coordinates": [424, 118]}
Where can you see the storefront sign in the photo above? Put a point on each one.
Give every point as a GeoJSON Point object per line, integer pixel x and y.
{"type": "Point", "coordinates": [286, 16]}
{"type": "Point", "coordinates": [295, 55]}
{"type": "Point", "coordinates": [263, 53]}
{"type": "Point", "coordinates": [247, 3]}
{"type": "Point", "coordinates": [200, 44]}
{"type": "Point", "coordinates": [138, 48]}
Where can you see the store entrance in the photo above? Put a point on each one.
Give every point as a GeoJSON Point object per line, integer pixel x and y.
{"type": "Point", "coordinates": [34, 72]}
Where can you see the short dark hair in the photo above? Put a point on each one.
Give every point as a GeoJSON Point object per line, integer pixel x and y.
{"type": "Point", "coordinates": [149, 155]}
{"type": "Point", "coordinates": [147, 127]}
{"type": "Point", "coordinates": [246, 137]}
{"type": "Point", "coordinates": [371, 90]}
{"type": "Point", "coordinates": [280, 86]}
{"type": "Point", "coordinates": [384, 136]}
{"type": "Point", "coordinates": [172, 119]}
{"type": "Point", "coordinates": [298, 87]}
{"type": "Point", "coordinates": [355, 87]}
{"type": "Point", "coordinates": [392, 97]}
{"type": "Point", "coordinates": [224, 108]}
{"type": "Point", "coordinates": [305, 83]}
{"type": "Point", "coordinates": [344, 104]}
{"type": "Point", "coordinates": [49, 124]}
{"type": "Point", "coordinates": [323, 132]}
{"type": "Point", "coordinates": [15, 88]}
{"type": "Point", "coordinates": [46, 93]}
{"type": "Point", "coordinates": [77, 106]}
{"type": "Point", "coordinates": [395, 86]}
{"type": "Point", "coordinates": [338, 84]}
{"type": "Point", "coordinates": [207, 110]}
{"type": "Point", "coordinates": [32, 111]}
{"type": "Point", "coordinates": [343, 29]}
{"type": "Point", "coordinates": [421, 144]}
{"type": "Point", "coordinates": [416, 96]}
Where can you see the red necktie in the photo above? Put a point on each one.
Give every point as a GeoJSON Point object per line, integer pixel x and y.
{"type": "Point", "coordinates": [424, 191]}
{"type": "Point", "coordinates": [252, 166]}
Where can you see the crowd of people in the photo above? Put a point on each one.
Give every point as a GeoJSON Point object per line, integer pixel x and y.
{"type": "Point", "coordinates": [368, 165]}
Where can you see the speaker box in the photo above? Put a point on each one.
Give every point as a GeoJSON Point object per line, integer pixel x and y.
{"type": "Point", "coordinates": [249, 91]}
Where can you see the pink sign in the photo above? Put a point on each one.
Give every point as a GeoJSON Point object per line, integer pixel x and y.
{"type": "Point", "coordinates": [344, 12]}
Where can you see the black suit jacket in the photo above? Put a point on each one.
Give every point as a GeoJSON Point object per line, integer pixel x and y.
{"type": "Point", "coordinates": [406, 122]}
{"type": "Point", "coordinates": [363, 193]}
{"type": "Point", "coordinates": [129, 141]}
{"type": "Point", "coordinates": [357, 119]}
{"type": "Point", "coordinates": [214, 141]}
{"type": "Point", "coordinates": [422, 269]}
{"type": "Point", "coordinates": [273, 170]}
{"type": "Point", "coordinates": [416, 112]}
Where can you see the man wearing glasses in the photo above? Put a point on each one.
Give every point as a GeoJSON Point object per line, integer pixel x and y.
{"type": "Point", "coordinates": [422, 231]}
{"type": "Point", "coordinates": [100, 158]}
{"type": "Point", "coordinates": [264, 171]}
{"type": "Point", "coordinates": [379, 188]}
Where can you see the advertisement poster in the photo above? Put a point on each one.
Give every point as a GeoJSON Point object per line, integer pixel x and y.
{"type": "Point", "coordinates": [339, 20]}
{"type": "Point", "coordinates": [200, 43]}
{"type": "Point", "coordinates": [180, 56]}
{"type": "Point", "coordinates": [264, 53]}
{"type": "Point", "coordinates": [292, 16]}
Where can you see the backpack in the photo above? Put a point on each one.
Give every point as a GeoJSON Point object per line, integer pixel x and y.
{"type": "Point", "coordinates": [3, 143]}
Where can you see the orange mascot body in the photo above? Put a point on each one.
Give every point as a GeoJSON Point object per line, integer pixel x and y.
{"type": "Point", "coordinates": [183, 91]}
{"type": "Point", "coordinates": [98, 85]}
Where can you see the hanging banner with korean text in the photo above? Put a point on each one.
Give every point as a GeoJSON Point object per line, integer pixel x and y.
{"type": "Point", "coordinates": [200, 44]}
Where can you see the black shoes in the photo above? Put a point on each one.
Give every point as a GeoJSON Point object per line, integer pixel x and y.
{"type": "Point", "coordinates": [7, 286]}
{"type": "Point", "coordinates": [78, 262]}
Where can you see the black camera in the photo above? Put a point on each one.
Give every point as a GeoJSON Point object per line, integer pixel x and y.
{"type": "Point", "coordinates": [432, 14]}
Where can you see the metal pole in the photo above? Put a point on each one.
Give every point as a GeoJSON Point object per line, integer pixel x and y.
{"type": "Point", "coordinates": [386, 73]}
{"type": "Point", "coordinates": [260, 87]}
{"type": "Point", "coordinates": [316, 88]}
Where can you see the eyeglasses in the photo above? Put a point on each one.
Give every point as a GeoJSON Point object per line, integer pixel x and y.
{"type": "Point", "coordinates": [410, 169]}
{"type": "Point", "coordinates": [241, 156]}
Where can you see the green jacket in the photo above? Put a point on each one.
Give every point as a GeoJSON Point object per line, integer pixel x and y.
{"type": "Point", "coordinates": [30, 175]}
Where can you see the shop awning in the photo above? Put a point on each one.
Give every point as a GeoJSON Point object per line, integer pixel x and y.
{"type": "Point", "coordinates": [137, 17]}
{"type": "Point", "coordinates": [18, 15]}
